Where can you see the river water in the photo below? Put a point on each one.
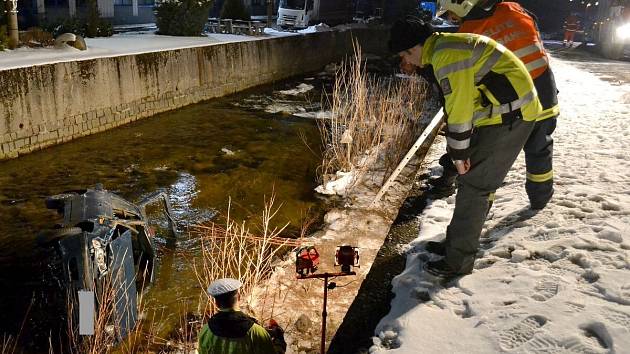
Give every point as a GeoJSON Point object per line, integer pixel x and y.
{"type": "Point", "coordinates": [202, 155]}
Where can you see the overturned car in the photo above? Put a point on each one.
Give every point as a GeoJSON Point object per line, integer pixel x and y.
{"type": "Point", "coordinates": [106, 252]}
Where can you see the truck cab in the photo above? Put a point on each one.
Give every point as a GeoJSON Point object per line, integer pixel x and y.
{"type": "Point", "coordinates": [295, 13]}
{"type": "Point", "coordinates": [611, 28]}
{"type": "Point", "coordinates": [303, 13]}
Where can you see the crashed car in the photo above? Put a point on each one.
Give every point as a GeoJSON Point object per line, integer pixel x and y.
{"type": "Point", "coordinates": [106, 249]}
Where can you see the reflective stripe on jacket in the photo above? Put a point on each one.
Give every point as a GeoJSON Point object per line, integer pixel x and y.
{"type": "Point", "coordinates": [509, 24]}
{"type": "Point", "coordinates": [572, 23]}
{"type": "Point", "coordinates": [483, 84]}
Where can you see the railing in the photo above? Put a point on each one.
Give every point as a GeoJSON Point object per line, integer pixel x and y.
{"type": "Point", "coordinates": [251, 28]}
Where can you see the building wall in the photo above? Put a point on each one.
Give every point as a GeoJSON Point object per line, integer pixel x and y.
{"type": "Point", "coordinates": [123, 15]}
{"type": "Point", "coordinates": [51, 104]}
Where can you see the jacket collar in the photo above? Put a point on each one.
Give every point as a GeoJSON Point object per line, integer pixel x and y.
{"type": "Point", "coordinates": [428, 49]}
{"type": "Point", "coordinates": [230, 324]}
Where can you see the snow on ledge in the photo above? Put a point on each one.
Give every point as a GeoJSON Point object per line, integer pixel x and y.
{"type": "Point", "coordinates": [121, 45]}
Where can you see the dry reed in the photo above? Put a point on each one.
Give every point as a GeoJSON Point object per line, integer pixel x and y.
{"type": "Point", "coordinates": [8, 344]}
{"type": "Point", "coordinates": [375, 121]}
{"type": "Point", "coordinates": [103, 338]}
{"type": "Point", "coordinates": [232, 250]}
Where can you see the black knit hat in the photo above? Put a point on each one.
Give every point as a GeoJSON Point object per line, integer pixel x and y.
{"type": "Point", "coordinates": [408, 33]}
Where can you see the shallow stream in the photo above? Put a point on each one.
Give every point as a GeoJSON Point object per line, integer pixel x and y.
{"type": "Point", "coordinates": [243, 147]}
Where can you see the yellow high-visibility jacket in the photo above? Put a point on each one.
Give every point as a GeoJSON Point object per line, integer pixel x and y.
{"type": "Point", "coordinates": [483, 84]}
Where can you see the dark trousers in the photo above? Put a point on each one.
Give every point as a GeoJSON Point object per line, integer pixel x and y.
{"type": "Point", "coordinates": [493, 151]}
{"type": "Point", "coordinates": [538, 158]}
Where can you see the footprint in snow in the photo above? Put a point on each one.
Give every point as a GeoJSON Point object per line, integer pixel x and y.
{"type": "Point", "coordinates": [545, 235]}
{"type": "Point", "coordinates": [617, 317]}
{"type": "Point", "coordinates": [522, 333]}
{"type": "Point", "coordinates": [546, 289]}
{"type": "Point", "coordinates": [597, 336]}
{"type": "Point", "coordinates": [549, 345]}
{"type": "Point", "coordinates": [575, 307]}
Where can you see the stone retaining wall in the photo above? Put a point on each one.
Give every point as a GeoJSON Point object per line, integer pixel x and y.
{"type": "Point", "coordinates": [50, 104]}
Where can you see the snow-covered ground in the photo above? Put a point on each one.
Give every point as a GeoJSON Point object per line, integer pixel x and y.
{"type": "Point", "coordinates": [556, 281]}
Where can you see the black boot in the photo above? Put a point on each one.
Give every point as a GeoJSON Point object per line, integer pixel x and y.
{"type": "Point", "coordinates": [435, 247]}
{"type": "Point", "coordinates": [538, 203]}
{"type": "Point", "coordinates": [449, 174]}
{"type": "Point", "coordinates": [441, 269]}
{"type": "Point", "coordinates": [443, 182]}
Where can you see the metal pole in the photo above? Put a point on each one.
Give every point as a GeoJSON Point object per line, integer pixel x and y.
{"type": "Point", "coordinates": [323, 344]}
{"type": "Point", "coordinates": [269, 12]}
{"type": "Point", "coordinates": [14, 34]}
{"type": "Point", "coordinates": [435, 123]}
{"type": "Point", "coordinates": [325, 276]}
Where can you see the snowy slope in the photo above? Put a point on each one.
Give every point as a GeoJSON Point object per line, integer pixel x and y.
{"type": "Point", "coordinates": [556, 281]}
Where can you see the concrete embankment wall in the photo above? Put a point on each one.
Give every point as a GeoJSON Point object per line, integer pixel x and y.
{"type": "Point", "coordinates": [49, 104]}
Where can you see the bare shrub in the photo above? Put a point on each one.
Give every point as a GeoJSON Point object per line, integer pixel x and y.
{"type": "Point", "coordinates": [7, 345]}
{"type": "Point", "coordinates": [375, 121]}
{"type": "Point", "coordinates": [231, 250]}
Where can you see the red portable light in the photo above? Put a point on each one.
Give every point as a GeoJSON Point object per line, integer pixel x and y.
{"type": "Point", "coordinates": [347, 257]}
{"type": "Point", "coordinates": [306, 260]}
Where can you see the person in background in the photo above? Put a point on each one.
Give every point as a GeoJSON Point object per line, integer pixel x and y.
{"type": "Point", "coordinates": [571, 25]}
{"type": "Point", "coordinates": [231, 331]}
{"type": "Point", "coordinates": [491, 107]}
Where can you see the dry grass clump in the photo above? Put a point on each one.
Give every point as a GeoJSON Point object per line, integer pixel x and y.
{"type": "Point", "coordinates": [103, 338]}
{"type": "Point", "coordinates": [231, 250]}
{"type": "Point", "coordinates": [7, 344]}
{"type": "Point", "coordinates": [375, 121]}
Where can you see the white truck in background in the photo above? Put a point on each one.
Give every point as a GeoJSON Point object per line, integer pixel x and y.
{"type": "Point", "coordinates": [611, 27]}
{"type": "Point", "coordinates": [293, 14]}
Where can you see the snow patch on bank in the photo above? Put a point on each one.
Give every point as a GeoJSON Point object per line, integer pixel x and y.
{"type": "Point", "coordinates": [322, 27]}
{"type": "Point", "coordinates": [299, 90]}
{"type": "Point", "coordinates": [341, 185]}
{"type": "Point", "coordinates": [556, 281]}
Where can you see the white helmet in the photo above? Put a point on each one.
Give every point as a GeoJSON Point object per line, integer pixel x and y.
{"type": "Point", "coordinates": [460, 8]}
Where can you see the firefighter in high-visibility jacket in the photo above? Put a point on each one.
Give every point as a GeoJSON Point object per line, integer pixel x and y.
{"type": "Point", "coordinates": [491, 106]}
{"type": "Point", "coordinates": [571, 26]}
{"type": "Point", "coordinates": [509, 24]}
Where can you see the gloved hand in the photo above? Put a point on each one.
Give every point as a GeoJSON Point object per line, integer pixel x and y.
{"type": "Point", "coordinates": [277, 336]}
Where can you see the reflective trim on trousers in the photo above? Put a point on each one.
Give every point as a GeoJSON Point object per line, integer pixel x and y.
{"type": "Point", "coordinates": [540, 178]}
